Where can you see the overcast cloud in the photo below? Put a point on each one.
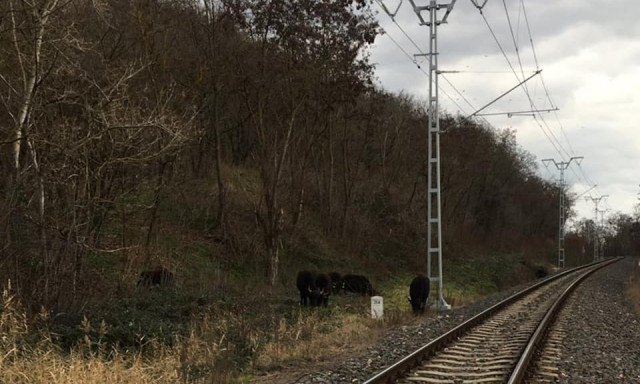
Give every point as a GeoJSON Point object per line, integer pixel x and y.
{"type": "Point", "coordinates": [589, 53]}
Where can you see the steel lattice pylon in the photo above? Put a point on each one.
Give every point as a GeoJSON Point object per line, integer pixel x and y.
{"type": "Point", "coordinates": [596, 235]}
{"type": "Point", "coordinates": [434, 211]}
{"type": "Point", "coordinates": [562, 166]}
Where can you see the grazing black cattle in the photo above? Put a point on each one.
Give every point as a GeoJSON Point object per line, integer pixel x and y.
{"type": "Point", "coordinates": [159, 276]}
{"type": "Point", "coordinates": [357, 284]}
{"type": "Point", "coordinates": [323, 285]}
{"type": "Point", "coordinates": [419, 293]}
{"type": "Point", "coordinates": [306, 283]}
{"type": "Point", "coordinates": [336, 282]}
{"type": "Point", "coordinates": [541, 272]}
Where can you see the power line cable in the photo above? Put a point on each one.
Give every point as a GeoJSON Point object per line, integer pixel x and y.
{"type": "Point", "coordinates": [552, 139]}
{"type": "Point", "coordinates": [413, 60]}
{"type": "Point", "coordinates": [422, 70]}
{"type": "Point", "coordinates": [583, 177]}
{"type": "Point", "coordinates": [526, 90]}
{"type": "Point", "coordinates": [422, 52]}
{"type": "Point", "coordinates": [533, 49]}
{"type": "Point", "coordinates": [459, 93]}
{"type": "Point", "coordinates": [544, 85]}
{"type": "Point", "coordinates": [462, 96]}
{"type": "Point", "coordinates": [546, 90]}
{"type": "Point", "coordinates": [525, 87]}
{"type": "Point", "coordinates": [550, 136]}
{"type": "Point", "coordinates": [419, 49]}
{"type": "Point", "coordinates": [515, 44]}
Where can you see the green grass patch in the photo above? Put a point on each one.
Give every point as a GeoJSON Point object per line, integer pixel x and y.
{"type": "Point", "coordinates": [469, 280]}
{"type": "Point", "coordinates": [466, 281]}
{"type": "Point", "coordinates": [395, 291]}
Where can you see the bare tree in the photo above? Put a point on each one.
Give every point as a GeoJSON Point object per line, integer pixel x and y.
{"type": "Point", "coordinates": [88, 128]}
{"type": "Point", "coordinates": [300, 48]}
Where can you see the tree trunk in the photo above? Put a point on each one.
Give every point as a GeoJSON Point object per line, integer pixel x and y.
{"type": "Point", "coordinates": [30, 76]}
{"type": "Point", "coordinates": [345, 180]}
{"type": "Point", "coordinates": [48, 267]}
{"type": "Point", "coordinates": [218, 162]}
{"type": "Point", "coordinates": [274, 260]}
{"type": "Point", "coordinates": [330, 183]}
{"type": "Point", "coordinates": [154, 211]}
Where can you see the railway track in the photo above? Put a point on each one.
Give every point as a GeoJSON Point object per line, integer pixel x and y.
{"type": "Point", "coordinates": [504, 344]}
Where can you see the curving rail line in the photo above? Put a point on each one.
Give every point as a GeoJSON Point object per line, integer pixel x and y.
{"type": "Point", "coordinates": [497, 345]}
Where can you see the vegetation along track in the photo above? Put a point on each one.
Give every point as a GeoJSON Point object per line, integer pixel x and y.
{"type": "Point", "coordinates": [497, 345]}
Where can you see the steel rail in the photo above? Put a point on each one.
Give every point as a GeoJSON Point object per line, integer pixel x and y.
{"type": "Point", "coordinates": [398, 369]}
{"type": "Point", "coordinates": [518, 374]}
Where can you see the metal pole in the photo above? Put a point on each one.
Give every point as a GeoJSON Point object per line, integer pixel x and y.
{"type": "Point", "coordinates": [602, 243]}
{"type": "Point", "coordinates": [561, 221]}
{"type": "Point", "coordinates": [562, 166]}
{"type": "Point", "coordinates": [434, 151]}
{"type": "Point", "coordinates": [596, 233]}
{"type": "Point", "coordinates": [434, 208]}
{"type": "Point", "coordinates": [432, 155]}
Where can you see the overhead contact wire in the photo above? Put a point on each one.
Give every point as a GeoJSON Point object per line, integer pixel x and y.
{"type": "Point", "coordinates": [531, 101]}
{"type": "Point", "coordinates": [413, 60]}
{"type": "Point", "coordinates": [544, 84]}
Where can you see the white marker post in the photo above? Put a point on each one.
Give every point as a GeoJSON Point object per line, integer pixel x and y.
{"type": "Point", "coordinates": [377, 307]}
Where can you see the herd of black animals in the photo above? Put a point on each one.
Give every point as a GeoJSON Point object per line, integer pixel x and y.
{"type": "Point", "coordinates": [315, 288]}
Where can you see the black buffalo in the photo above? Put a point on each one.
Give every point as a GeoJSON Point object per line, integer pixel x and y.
{"type": "Point", "coordinates": [357, 284]}
{"type": "Point", "coordinates": [336, 282]}
{"type": "Point", "coordinates": [309, 293]}
{"type": "Point", "coordinates": [159, 276]}
{"type": "Point", "coordinates": [419, 293]}
{"type": "Point", "coordinates": [324, 286]}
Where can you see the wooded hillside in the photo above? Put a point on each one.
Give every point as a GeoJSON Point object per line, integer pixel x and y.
{"type": "Point", "coordinates": [254, 123]}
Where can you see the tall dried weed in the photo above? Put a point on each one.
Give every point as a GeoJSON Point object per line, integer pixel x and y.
{"type": "Point", "coordinates": [311, 338]}
{"type": "Point", "coordinates": [29, 355]}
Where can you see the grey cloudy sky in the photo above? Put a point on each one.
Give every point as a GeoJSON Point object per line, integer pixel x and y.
{"type": "Point", "coordinates": [589, 53]}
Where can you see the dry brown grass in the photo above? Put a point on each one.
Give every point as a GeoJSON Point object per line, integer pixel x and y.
{"type": "Point", "coordinates": [28, 355]}
{"type": "Point", "coordinates": [309, 341]}
{"type": "Point", "coordinates": [43, 367]}
{"type": "Point", "coordinates": [633, 288]}
{"type": "Point", "coordinates": [306, 341]}
{"type": "Point", "coordinates": [222, 345]}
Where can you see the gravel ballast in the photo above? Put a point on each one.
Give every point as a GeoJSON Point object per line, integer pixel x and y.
{"type": "Point", "coordinates": [603, 347]}
{"type": "Point", "coordinates": [603, 332]}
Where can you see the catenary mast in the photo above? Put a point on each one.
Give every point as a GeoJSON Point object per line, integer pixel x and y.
{"type": "Point", "coordinates": [562, 166]}
{"type": "Point", "coordinates": [434, 211]}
